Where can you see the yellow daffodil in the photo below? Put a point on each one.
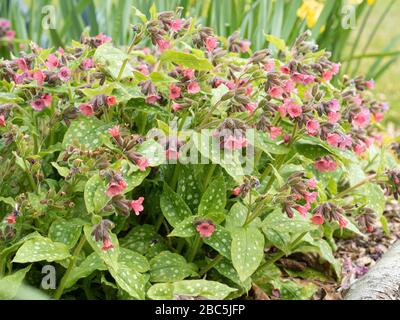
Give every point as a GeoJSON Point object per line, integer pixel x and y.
{"type": "Point", "coordinates": [310, 11]}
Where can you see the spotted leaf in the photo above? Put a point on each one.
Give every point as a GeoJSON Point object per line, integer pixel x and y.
{"type": "Point", "coordinates": [67, 232]}
{"type": "Point", "coordinates": [173, 207]}
{"type": "Point", "coordinates": [213, 201]}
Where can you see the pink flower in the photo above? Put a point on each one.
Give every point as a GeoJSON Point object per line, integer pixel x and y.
{"type": "Point", "coordinates": [285, 69]}
{"type": "Point", "coordinates": [18, 78]}
{"type": "Point", "coordinates": [379, 116]}
{"type": "Point", "coordinates": [333, 139]}
{"type": "Point", "coordinates": [163, 44]}
{"type": "Point", "coordinates": [103, 38]}
{"type": "Point", "coordinates": [303, 210]}
{"type": "Point", "coordinates": [172, 154]}
{"type": "Point", "coordinates": [244, 45]}
{"type": "Point", "coordinates": [312, 127]}
{"type": "Point", "coordinates": [4, 23]}
{"type": "Point", "coordinates": [52, 62]}
{"type": "Point", "coordinates": [174, 92]}
{"type": "Point", "coordinates": [378, 139]}
{"type": "Point", "coordinates": [205, 229]}
{"type": "Point", "coordinates": [251, 107]}
{"type": "Point", "coordinates": [188, 73]}
{"type": "Point", "coordinates": [114, 189]}
{"type": "Point", "coordinates": [114, 131]}
{"type": "Point", "coordinates": [334, 117]}
{"type": "Point", "coordinates": [61, 51]}
{"type": "Point", "coordinates": [327, 75]}
{"type": "Point", "coordinates": [64, 74]}
{"type": "Point", "coordinates": [269, 66]}
{"type": "Point", "coordinates": [335, 68]}
{"type": "Point", "coordinates": [317, 219]}
{"type": "Point", "coordinates": [288, 86]}
{"type": "Point", "coordinates": [210, 43]}
{"type": "Point", "coordinates": [39, 77]}
{"type": "Point", "coordinates": [310, 197]}
{"type": "Point", "coordinates": [142, 163]}
{"type": "Point", "coordinates": [176, 107]}
{"type": "Point", "coordinates": [230, 85]}
{"type": "Point", "coordinates": [357, 100]}
{"type": "Point", "coordinates": [282, 109]}
{"type": "Point", "coordinates": [369, 141]}
{"type": "Point", "coordinates": [193, 87]}
{"type": "Point", "coordinates": [312, 183]}
{"type": "Point", "coordinates": [275, 132]}
{"type": "Point", "coordinates": [46, 99]}
{"type": "Point", "coordinates": [334, 105]}
{"type": "Point", "coordinates": [21, 63]}
{"type": "Point", "coordinates": [87, 64]}
{"type": "Point", "coordinates": [107, 245]}
{"type": "Point", "coordinates": [86, 109]}
{"type": "Point", "coordinates": [360, 148]}
{"type": "Point", "coordinates": [152, 98]}
{"type": "Point", "coordinates": [176, 25]}
{"type": "Point", "coordinates": [370, 84]}
{"type": "Point", "coordinates": [362, 119]}
{"type": "Point", "coordinates": [11, 219]}
{"type": "Point", "coordinates": [303, 79]}
{"type": "Point", "coordinates": [237, 191]}
{"type": "Point", "coordinates": [137, 205]}
{"type": "Point", "coordinates": [275, 92]}
{"type": "Point", "coordinates": [143, 68]}
{"type": "Point", "coordinates": [249, 90]}
{"type": "Point", "coordinates": [2, 120]}
{"type": "Point", "coordinates": [38, 104]}
{"type": "Point", "coordinates": [293, 109]}
{"type": "Point", "coordinates": [10, 35]}
{"type": "Point", "coordinates": [233, 143]}
{"type": "Point", "coordinates": [342, 223]}
{"type": "Point", "coordinates": [325, 165]}
{"type": "Point", "coordinates": [345, 142]}
{"type": "Point", "coordinates": [111, 101]}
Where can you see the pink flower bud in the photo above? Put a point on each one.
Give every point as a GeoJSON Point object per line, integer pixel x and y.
{"type": "Point", "coordinates": [114, 131]}
{"type": "Point", "coordinates": [237, 191]}
{"type": "Point", "coordinates": [107, 245]}
{"type": "Point", "coordinates": [317, 219]}
{"type": "Point", "coordinates": [312, 127]}
{"type": "Point", "coordinates": [111, 101]}
{"type": "Point", "coordinates": [86, 109]}
{"type": "Point", "coordinates": [211, 43]}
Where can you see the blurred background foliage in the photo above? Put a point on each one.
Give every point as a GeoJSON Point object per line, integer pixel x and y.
{"type": "Point", "coordinates": [371, 45]}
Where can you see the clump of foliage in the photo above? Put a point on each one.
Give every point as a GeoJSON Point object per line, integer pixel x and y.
{"type": "Point", "coordinates": [187, 166]}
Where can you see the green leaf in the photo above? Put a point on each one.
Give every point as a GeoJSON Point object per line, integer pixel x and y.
{"type": "Point", "coordinates": [185, 228]}
{"type": "Point", "coordinates": [280, 222]}
{"type": "Point", "coordinates": [278, 43]}
{"type": "Point", "coordinates": [92, 263]}
{"type": "Point", "coordinates": [92, 92]}
{"type": "Point", "coordinates": [213, 201]}
{"type": "Point", "coordinates": [112, 59]}
{"type": "Point", "coordinates": [236, 217]}
{"type": "Point", "coordinates": [95, 194]}
{"type": "Point", "coordinates": [130, 280]}
{"type": "Point", "coordinates": [67, 232]}
{"type": "Point", "coordinates": [134, 260]}
{"type": "Point", "coordinates": [188, 60]}
{"type": "Point", "coordinates": [247, 250]}
{"type": "Point", "coordinates": [41, 249]}
{"type": "Point", "coordinates": [189, 187]}
{"type": "Point", "coordinates": [85, 132]}
{"type": "Point", "coordinates": [173, 207]}
{"type": "Point", "coordinates": [153, 152]}
{"type": "Point", "coordinates": [265, 144]}
{"type": "Point", "coordinates": [374, 198]}
{"type": "Point", "coordinates": [10, 285]}
{"type": "Point", "coordinates": [140, 15]}
{"type": "Point", "coordinates": [169, 267]}
{"type": "Point", "coordinates": [225, 268]}
{"type": "Point", "coordinates": [193, 288]}
{"type": "Point", "coordinates": [220, 240]}
{"type": "Point", "coordinates": [62, 171]}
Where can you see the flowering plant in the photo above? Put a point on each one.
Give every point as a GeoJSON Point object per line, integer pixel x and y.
{"type": "Point", "coordinates": [190, 168]}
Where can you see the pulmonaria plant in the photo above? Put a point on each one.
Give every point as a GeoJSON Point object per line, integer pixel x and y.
{"type": "Point", "coordinates": [186, 152]}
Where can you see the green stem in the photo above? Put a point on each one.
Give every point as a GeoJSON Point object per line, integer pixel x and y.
{"type": "Point", "coordinates": [210, 265]}
{"type": "Point", "coordinates": [121, 71]}
{"type": "Point", "coordinates": [356, 186]}
{"type": "Point", "coordinates": [60, 289]}
{"type": "Point", "coordinates": [194, 248]}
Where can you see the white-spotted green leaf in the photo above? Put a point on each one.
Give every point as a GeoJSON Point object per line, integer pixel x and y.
{"type": "Point", "coordinates": [153, 152]}
{"type": "Point", "coordinates": [236, 217]}
{"type": "Point", "coordinates": [134, 260]}
{"type": "Point", "coordinates": [191, 288]}
{"type": "Point", "coordinates": [67, 232]}
{"type": "Point", "coordinates": [41, 249]}
{"type": "Point", "coordinates": [92, 263]}
{"type": "Point", "coordinates": [169, 267]}
{"type": "Point", "coordinates": [265, 144]}
{"type": "Point", "coordinates": [184, 229]}
{"type": "Point", "coordinates": [220, 240]}
{"type": "Point", "coordinates": [143, 239]}
{"type": "Point", "coordinates": [280, 222]}
{"type": "Point", "coordinates": [111, 256]}
{"type": "Point", "coordinates": [173, 207]}
{"type": "Point", "coordinates": [10, 285]}
{"type": "Point", "coordinates": [85, 132]}
{"type": "Point", "coordinates": [95, 194]}
{"type": "Point", "coordinates": [131, 281]}
{"type": "Point", "coordinates": [188, 60]}
{"type": "Point", "coordinates": [247, 250]}
{"type": "Point", "coordinates": [213, 201]}
{"type": "Point", "coordinates": [225, 268]}
{"type": "Point", "coordinates": [189, 187]}
{"type": "Point", "coordinates": [111, 59]}
{"type": "Point", "coordinates": [374, 198]}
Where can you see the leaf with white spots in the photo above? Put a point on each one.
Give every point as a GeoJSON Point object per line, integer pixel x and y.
{"type": "Point", "coordinates": [95, 194]}
{"type": "Point", "coordinates": [189, 187]}
{"type": "Point", "coordinates": [153, 152]}
{"type": "Point", "coordinates": [211, 290]}
{"type": "Point", "coordinates": [41, 249]}
{"type": "Point", "coordinates": [213, 201]}
{"type": "Point", "coordinates": [10, 285]}
{"type": "Point", "coordinates": [131, 281]}
{"type": "Point", "coordinates": [220, 240]}
{"type": "Point", "coordinates": [225, 268]}
{"type": "Point", "coordinates": [92, 263]}
{"type": "Point", "coordinates": [237, 216]}
{"type": "Point", "coordinates": [110, 257]}
{"type": "Point", "coordinates": [143, 239]}
{"type": "Point", "coordinates": [67, 232]}
{"type": "Point", "coordinates": [265, 144]}
{"type": "Point", "coordinates": [173, 207]}
{"type": "Point", "coordinates": [85, 132]}
{"type": "Point", "coordinates": [134, 260]}
{"type": "Point", "coordinates": [169, 267]}
{"type": "Point", "coordinates": [184, 229]}
{"type": "Point", "coordinates": [132, 175]}
{"type": "Point", "coordinates": [247, 250]}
